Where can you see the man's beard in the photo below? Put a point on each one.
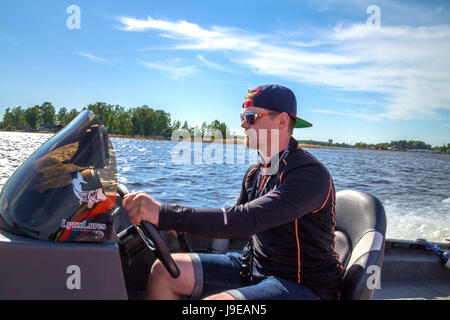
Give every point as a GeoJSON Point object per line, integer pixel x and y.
{"type": "Point", "coordinates": [252, 141]}
{"type": "Point", "coordinates": [246, 141]}
{"type": "Point", "coordinates": [262, 141]}
{"type": "Point", "coordinates": [249, 145]}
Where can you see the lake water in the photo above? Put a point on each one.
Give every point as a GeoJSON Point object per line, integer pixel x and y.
{"type": "Point", "coordinates": [414, 188]}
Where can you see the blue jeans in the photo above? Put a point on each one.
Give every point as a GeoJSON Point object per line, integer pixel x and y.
{"type": "Point", "coordinates": [215, 273]}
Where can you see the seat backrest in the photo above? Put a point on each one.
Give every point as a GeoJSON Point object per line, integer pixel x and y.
{"type": "Point", "coordinates": [360, 237]}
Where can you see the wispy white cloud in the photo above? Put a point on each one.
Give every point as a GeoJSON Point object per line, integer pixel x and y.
{"type": "Point", "coordinates": [407, 66]}
{"type": "Point", "coordinates": [214, 65]}
{"type": "Point", "coordinates": [169, 29]}
{"type": "Point", "coordinates": [353, 114]}
{"type": "Point", "coordinates": [172, 68]}
{"type": "Point", "coordinates": [442, 10]}
{"type": "Point", "coordinates": [194, 37]}
{"type": "Point", "coordinates": [358, 101]}
{"type": "Point", "coordinates": [93, 58]}
{"type": "Point", "coordinates": [303, 44]}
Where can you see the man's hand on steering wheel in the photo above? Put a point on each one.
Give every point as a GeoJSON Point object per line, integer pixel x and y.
{"type": "Point", "coordinates": [143, 211]}
{"type": "Point", "coordinates": [140, 206]}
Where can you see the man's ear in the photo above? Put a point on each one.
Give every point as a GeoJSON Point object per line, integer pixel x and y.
{"type": "Point", "coordinates": [283, 120]}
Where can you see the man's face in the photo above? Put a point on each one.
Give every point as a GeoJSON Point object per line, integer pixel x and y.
{"type": "Point", "coordinates": [259, 134]}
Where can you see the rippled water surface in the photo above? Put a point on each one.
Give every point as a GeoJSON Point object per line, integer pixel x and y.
{"type": "Point", "coordinates": [414, 188]}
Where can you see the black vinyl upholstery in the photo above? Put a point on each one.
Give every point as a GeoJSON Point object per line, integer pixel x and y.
{"type": "Point", "coordinates": [360, 240]}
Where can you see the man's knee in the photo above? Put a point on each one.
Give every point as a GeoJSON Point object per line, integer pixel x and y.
{"type": "Point", "coordinates": [184, 284]}
{"type": "Point", "coordinates": [158, 270]}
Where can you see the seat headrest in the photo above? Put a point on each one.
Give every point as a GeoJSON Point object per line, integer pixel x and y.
{"type": "Point", "coordinates": [358, 212]}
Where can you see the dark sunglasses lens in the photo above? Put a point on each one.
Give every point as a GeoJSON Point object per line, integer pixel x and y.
{"type": "Point", "coordinates": [250, 118]}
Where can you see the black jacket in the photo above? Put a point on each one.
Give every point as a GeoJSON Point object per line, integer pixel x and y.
{"type": "Point", "coordinates": [292, 223]}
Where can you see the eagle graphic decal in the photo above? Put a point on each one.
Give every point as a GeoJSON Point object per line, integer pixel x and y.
{"type": "Point", "coordinates": [91, 197]}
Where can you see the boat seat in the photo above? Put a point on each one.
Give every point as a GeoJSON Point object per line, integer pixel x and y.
{"type": "Point", "coordinates": [360, 239]}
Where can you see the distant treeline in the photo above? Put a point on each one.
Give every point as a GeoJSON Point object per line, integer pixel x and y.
{"type": "Point", "coordinates": [323, 143]}
{"type": "Point", "coordinates": [393, 145]}
{"type": "Point", "coordinates": [403, 145]}
{"type": "Point", "coordinates": [139, 121]}
{"type": "Point", "coordinates": [145, 121]}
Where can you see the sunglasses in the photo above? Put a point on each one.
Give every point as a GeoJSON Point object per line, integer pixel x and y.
{"type": "Point", "coordinates": [250, 117]}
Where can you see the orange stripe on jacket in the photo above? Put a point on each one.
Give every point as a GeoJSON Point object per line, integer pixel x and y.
{"type": "Point", "coordinates": [334, 236]}
{"type": "Point", "coordinates": [298, 240]}
{"type": "Point", "coordinates": [264, 178]}
{"type": "Point", "coordinates": [298, 251]}
{"type": "Point", "coordinates": [326, 200]}
{"type": "Point", "coordinates": [281, 177]}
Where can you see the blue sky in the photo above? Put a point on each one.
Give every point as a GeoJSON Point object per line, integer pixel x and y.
{"type": "Point", "coordinates": [196, 60]}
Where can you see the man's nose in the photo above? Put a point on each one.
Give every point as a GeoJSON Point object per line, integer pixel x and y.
{"type": "Point", "coordinates": [244, 124]}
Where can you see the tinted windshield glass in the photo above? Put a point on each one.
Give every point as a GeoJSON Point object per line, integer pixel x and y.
{"type": "Point", "coordinates": [66, 190]}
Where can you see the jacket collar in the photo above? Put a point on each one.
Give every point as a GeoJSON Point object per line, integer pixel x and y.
{"type": "Point", "coordinates": [293, 144]}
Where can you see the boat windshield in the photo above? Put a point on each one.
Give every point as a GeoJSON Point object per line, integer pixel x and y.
{"type": "Point", "coordinates": [66, 190]}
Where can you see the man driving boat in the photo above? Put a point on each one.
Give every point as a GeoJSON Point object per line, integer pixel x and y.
{"type": "Point", "coordinates": [286, 208]}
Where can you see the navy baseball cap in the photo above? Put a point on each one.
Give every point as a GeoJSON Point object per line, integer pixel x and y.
{"type": "Point", "coordinates": [277, 98]}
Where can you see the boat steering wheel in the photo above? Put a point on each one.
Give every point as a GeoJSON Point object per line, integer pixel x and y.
{"type": "Point", "coordinates": [154, 241]}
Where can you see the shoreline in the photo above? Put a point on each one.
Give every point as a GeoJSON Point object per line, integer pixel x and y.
{"type": "Point", "coordinates": [235, 140]}
{"type": "Point", "coordinates": [224, 141]}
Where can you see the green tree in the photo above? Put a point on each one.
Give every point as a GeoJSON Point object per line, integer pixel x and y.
{"type": "Point", "coordinates": [419, 145]}
{"type": "Point", "coordinates": [191, 130]}
{"type": "Point", "coordinates": [73, 113]}
{"type": "Point", "coordinates": [221, 126]}
{"type": "Point", "coordinates": [61, 116]}
{"type": "Point", "coordinates": [105, 112]}
{"type": "Point", "coordinates": [161, 121]}
{"type": "Point", "coordinates": [142, 121]}
{"type": "Point", "coordinates": [204, 127]}
{"type": "Point", "coordinates": [176, 124]}
{"type": "Point", "coordinates": [16, 119]}
{"type": "Point", "coordinates": [32, 116]}
{"type": "Point", "coordinates": [122, 121]}
{"type": "Point", "coordinates": [444, 148]}
{"type": "Point", "coordinates": [8, 119]}
{"type": "Point", "coordinates": [47, 113]}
